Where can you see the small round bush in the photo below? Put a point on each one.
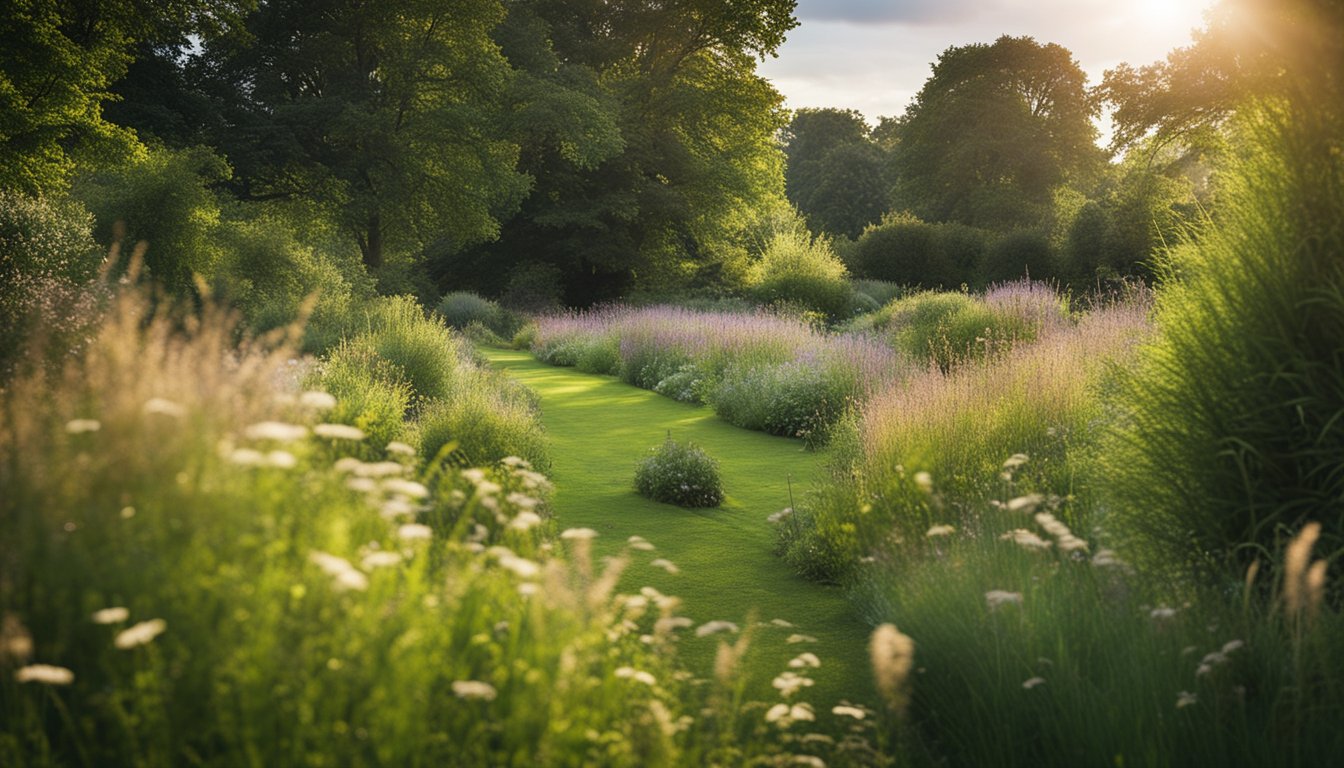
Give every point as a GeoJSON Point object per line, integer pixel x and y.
{"type": "Point", "coordinates": [460, 308]}
{"type": "Point", "coordinates": [680, 474]}
{"type": "Point", "coordinates": [799, 270]}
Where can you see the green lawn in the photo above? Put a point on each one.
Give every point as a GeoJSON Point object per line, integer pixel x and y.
{"type": "Point", "coordinates": [599, 427]}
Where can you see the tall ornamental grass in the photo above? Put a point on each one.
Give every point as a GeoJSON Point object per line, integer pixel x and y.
{"type": "Point", "coordinates": [197, 569]}
{"type": "Point", "coordinates": [1231, 435]}
{"type": "Point", "coordinates": [950, 432]}
{"type": "Point", "coordinates": [758, 370]}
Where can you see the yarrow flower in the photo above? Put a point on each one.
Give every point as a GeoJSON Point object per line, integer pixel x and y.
{"type": "Point", "coordinates": [114, 615]}
{"type": "Point", "coordinates": [408, 488]}
{"type": "Point", "coordinates": [714, 627]}
{"type": "Point", "coordinates": [640, 543]}
{"type": "Point", "coordinates": [848, 711]}
{"type": "Point", "coordinates": [940, 530]}
{"type": "Point", "coordinates": [47, 674]}
{"type": "Point", "coordinates": [80, 426]}
{"type": "Point", "coordinates": [525, 521]}
{"type": "Point", "coordinates": [415, 532]}
{"type": "Point", "coordinates": [278, 431]}
{"type": "Point", "coordinates": [140, 634]}
{"type": "Point", "coordinates": [639, 676]}
{"type": "Point", "coordinates": [317, 401]}
{"type": "Point", "coordinates": [997, 598]}
{"type": "Point", "coordinates": [400, 448]}
{"type": "Point", "coordinates": [665, 564]}
{"type": "Point", "coordinates": [474, 690]}
{"type": "Point", "coordinates": [1185, 699]}
{"type": "Point", "coordinates": [579, 534]}
{"type": "Point", "coordinates": [785, 715]}
{"type": "Point", "coordinates": [1033, 682]}
{"type": "Point", "coordinates": [338, 432]}
{"type": "Point", "coordinates": [795, 638]}
{"type": "Point", "coordinates": [789, 683]}
{"type": "Point", "coordinates": [805, 661]}
{"type": "Point", "coordinates": [161, 407]}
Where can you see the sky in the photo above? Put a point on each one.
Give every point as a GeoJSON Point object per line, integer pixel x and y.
{"type": "Point", "coordinates": [874, 55]}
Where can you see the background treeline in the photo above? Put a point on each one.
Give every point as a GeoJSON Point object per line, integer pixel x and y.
{"type": "Point", "coordinates": [553, 153]}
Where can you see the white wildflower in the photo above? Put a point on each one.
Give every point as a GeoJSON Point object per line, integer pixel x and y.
{"type": "Point", "coordinates": [521, 566]}
{"type": "Point", "coordinates": [246, 457]}
{"type": "Point", "coordinates": [474, 690]}
{"type": "Point", "coordinates": [317, 401]}
{"type": "Point", "coordinates": [522, 500]}
{"type": "Point", "coordinates": [1185, 699]}
{"type": "Point", "coordinates": [474, 475]}
{"type": "Point", "coordinates": [281, 460]}
{"type": "Point", "coordinates": [1232, 645]}
{"type": "Point", "coordinates": [940, 530]}
{"type": "Point", "coordinates": [1033, 682]}
{"type": "Point", "coordinates": [525, 521]}
{"type": "Point", "coordinates": [158, 406]}
{"type": "Point", "coordinates": [1026, 539]}
{"type": "Point", "coordinates": [848, 711]}
{"type": "Point", "coordinates": [47, 674]}
{"type": "Point", "coordinates": [780, 515]}
{"type": "Point", "coordinates": [415, 532]}
{"type": "Point", "coordinates": [790, 683]}
{"type": "Point", "coordinates": [794, 639]}
{"type": "Point", "coordinates": [640, 543]}
{"type": "Point", "coordinates": [713, 627]}
{"type": "Point", "coordinates": [1161, 613]}
{"type": "Point", "coordinates": [384, 559]}
{"type": "Point", "coordinates": [347, 464]}
{"type": "Point", "coordinates": [805, 661]}
{"type": "Point", "coordinates": [140, 634]}
{"type": "Point", "coordinates": [578, 534]}
{"type": "Point", "coordinates": [640, 676]}
{"type": "Point", "coordinates": [361, 484]}
{"type": "Point", "coordinates": [80, 426]}
{"type": "Point", "coordinates": [1025, 504]}
{"type": "Point", "coordinates": [666, 565]}
{"type": "Point", "coordinates": [114, 615]}
{"type": "Point", "coordinates": [278, 431]}
{"type": "Point", "coordinates": [400, 448]}
{"type": "Point", "coordinates": [1014, 461]}
{"type": "Point", "coordinates": [394, 509]}
{"type": "Point", "coordinates": [408, 488]}
{"type": "Point", "coordinates": [338, 432]}
{"type": "Point", "coordinates": [997, 598]}
{"type": "Point", "coordinates": [925, 481]}
{"type": "Point", "coordinates": [670, 623]}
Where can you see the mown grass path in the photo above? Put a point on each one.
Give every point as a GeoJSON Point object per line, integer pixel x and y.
{"type": "Point", "coordinates": [600, 427]}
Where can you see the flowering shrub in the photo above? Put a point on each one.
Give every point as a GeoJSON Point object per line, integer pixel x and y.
{"type": "Point", "coordinates": [680, 474]}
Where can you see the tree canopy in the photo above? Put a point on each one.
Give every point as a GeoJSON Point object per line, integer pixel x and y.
{"type": "Point", "coordinates": [834, 171]}
{"type": "Point", "coordinates": [993, 132]}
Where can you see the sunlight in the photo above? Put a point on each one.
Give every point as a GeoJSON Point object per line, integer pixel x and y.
{"type": "Point", "coordinates": [1171, 15]}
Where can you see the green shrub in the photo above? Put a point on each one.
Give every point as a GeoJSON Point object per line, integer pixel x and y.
{"type": "Point", "coordinates": [487, 419]}
{"type": "Point", "coordinates": [47, 258]}
{"type": "Point", "coordinates": [370, 392]}
{"type": "Point", "coordinates": [602, 357]}
{"type": "Point", "coordinates": [904, 250]}
{"type": "Point", "coordinates": [797, 269]}
{"type": "Point", "coordinates": [462, 307]}
{"type": "Point", "coordinates": [164, 199]}
{"type": "Point", "coordinates": [1017, 254]}
{"type": "Point", "coordinates": [881, 291]}
{"type": "Point", "coordinates": [426, 352]}
{"type": "Point", "coordinates": [800, 398]}
{"type": "Point", "coordinates": [680, 474]}
{"type": "Point", "coordinates": [948, 328]}
{"type": "Point", "coordinates": [1229, 438]}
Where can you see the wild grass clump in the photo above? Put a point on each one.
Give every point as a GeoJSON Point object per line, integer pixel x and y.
{"type": "Point", "coordinates": [487, 420]}
{"type": "Point", "coordinates": [796, 269]}
{"type": "Point", "coordinates": [759, 370]}
{"type": "Point", "coordinates": [1230, 437]}
{"type": "Point", "coordinates": [680, 474]}
{"type": "Point", "coordinates": [371, 392]}
{"type": "Point", "coordinates": [921, 453]}
{"type": "Point", "coordinates": [462, 307]}
{"type": "Point", "coordinates": [948, 328]}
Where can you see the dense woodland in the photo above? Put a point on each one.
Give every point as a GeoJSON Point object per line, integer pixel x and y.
{"type": "Point", "coordinates": [289, 474]}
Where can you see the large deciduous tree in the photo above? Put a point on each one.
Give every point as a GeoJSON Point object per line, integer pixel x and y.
{"type": "Point", "coordinates": [388, 111]}
{"type": "Point", "coordinates": [679, 156]}
{"type": "Point", "coordinates": [993, 132]}
{"type": "Point", "coordinates": [834, 173]}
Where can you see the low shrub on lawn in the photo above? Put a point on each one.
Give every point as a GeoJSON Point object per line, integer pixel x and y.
{"type": "Point", "coordinates": [680, 474]}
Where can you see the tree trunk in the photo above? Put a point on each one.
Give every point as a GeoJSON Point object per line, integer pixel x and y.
{"type": "Point", "coordinates": [371, 243]}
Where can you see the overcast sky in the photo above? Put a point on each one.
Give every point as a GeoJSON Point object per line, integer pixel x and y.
{"type": "Point", "coordinates": [873, 55]}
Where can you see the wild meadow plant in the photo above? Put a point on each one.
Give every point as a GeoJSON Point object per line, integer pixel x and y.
{"type": "Point", "coordinates": [758, 370]}
{"type": "Point", "coordinates": [952, 430]}
{"type": "Point", "coordinates": [198, 566]}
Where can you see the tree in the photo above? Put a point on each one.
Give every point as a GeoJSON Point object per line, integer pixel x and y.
{"type": "Point", "coordinates": [386, 111]}
{"type": "Point", "coordinates": [834, 172]}
{"type": "Point", "coordinates": [993, 133]}
{"type": "Point", "coordinates": [666, 197]}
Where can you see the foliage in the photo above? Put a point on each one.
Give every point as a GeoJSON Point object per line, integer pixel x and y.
{"type": "Point", "coordinates": [384, 112]}
{"type": "Point", "coordinates": [1229, 438]}
{"type": "Point", "coordinates": [47, 260]}
{"type": "Point", "coordinates": [483, 422]}
{"type": "Point", "coordinates": [165, 199]}
{"type": "Point", "coordinates": [371, 392]}
{"type": "Point", "coordinates": [427, 354]}
{"type": "Point", "coordinates": [958, 427]}
{"type": "Point", "coordinates": [797, 269]}
{"type": "Point", "coordinates": [993, 132]}
{"type": "Point", "coordinates": [904, 250]}
{"type": "Point", "coordinates": [263, 579]}
{"type": "Point", "coordinates": [679, 474]}
{"type": "Point", "coordinates": [834, 172]}
{"type": "Point", "coordinates": [462, 307]}
{"type": "Point", "coordinates": [650, 139]}
{"type": "Point", "coordinates": [1022, 253]}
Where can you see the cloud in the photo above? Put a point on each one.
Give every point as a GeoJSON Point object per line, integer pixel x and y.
{"type": "Point", "coordinates": [887, 11]}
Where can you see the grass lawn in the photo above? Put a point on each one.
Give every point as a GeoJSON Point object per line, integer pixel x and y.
{"type": "Point", "coordinates": [600, 427]}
